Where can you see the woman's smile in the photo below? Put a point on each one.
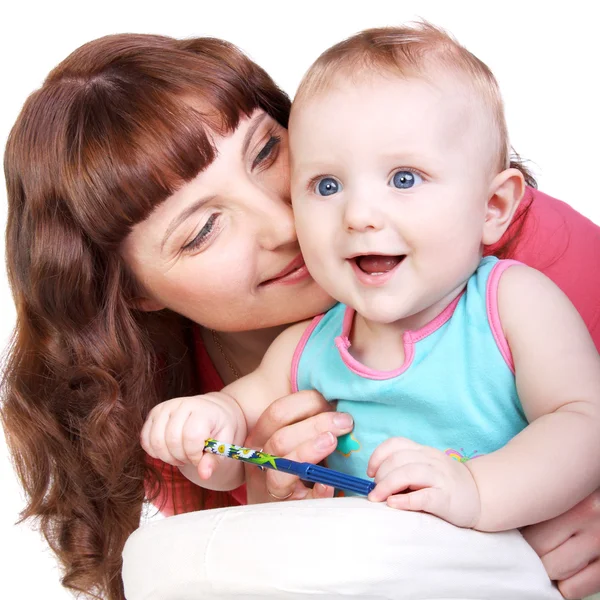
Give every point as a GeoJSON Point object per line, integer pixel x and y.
{"type": "Point", "coordinates": [294, 272]}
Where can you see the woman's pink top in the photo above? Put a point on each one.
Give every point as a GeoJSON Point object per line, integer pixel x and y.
{"type": "Point", "coordinates": [555, 239]}
{"type": "Point", "coordinates": [565, 246]}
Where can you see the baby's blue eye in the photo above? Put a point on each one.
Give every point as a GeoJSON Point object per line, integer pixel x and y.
{"type": "Point", "coordinates": [403, 180]}
{"type": "Point", "coordinates": [327, 186]}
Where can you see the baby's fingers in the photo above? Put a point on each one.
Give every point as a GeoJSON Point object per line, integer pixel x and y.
{"type": "Point", "coordinates": [386, 449]}
{"type": "Point", "coordinates": [400, 459]}
{"type": "Point", "coordinates": [430, 500]}
{"type": "Point", "coordinates": [174, 434]}
{"type": "Point", "coordinates": [200, 427]}
{"type": "Point", "coordinates": [194, 433]}
{"type": "Point", "coordinates": [208, 465]}
{"type": "Point", "coordinates": [153, 438]}
{"type": "Point", "coordinates": [409, 477]}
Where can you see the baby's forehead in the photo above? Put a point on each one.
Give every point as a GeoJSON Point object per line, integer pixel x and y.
{"type": "Point", "coordinates": [437, 98]}
{"type": "Point", "coordinates": [448, 85]}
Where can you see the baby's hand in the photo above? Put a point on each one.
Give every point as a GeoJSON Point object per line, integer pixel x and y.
{"type": "Point", "coordinates": [430, 481]}
{"type": "Point", "coordinates": [175, 431]}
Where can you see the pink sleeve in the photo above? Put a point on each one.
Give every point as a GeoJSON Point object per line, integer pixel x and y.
{"type": "Point", "coordinates": [179, 495]}
{"type": "Point", "coordinates": [565, 246]}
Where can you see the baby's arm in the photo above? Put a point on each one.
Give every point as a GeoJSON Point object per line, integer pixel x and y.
{"type": "Point", "coordinates": [555, 462]}
{"type": "Point", "coordinates": [176, 430]}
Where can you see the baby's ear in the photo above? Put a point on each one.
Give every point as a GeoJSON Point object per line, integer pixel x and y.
{"type": "Point", "coordinates": [506, 191]}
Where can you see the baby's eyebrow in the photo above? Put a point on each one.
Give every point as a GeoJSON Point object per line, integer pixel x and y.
{"type": "Point", "coordinates": [311, 165]}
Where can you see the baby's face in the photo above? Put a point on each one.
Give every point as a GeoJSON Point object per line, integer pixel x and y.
{"type": "Point", "coordinates": [390, 179]}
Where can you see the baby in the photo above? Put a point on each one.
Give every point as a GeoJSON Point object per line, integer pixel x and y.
{"type": "Point", "coordinates": [473, 382]}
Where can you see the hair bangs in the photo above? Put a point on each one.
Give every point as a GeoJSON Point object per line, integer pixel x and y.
{"type": "Point", "coordinates": [130, 150]}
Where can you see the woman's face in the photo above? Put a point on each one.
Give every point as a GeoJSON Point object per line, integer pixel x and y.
{"type": "Point", "coordinates": [222, 250]}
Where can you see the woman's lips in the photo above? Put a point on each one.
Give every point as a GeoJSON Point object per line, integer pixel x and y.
{"type": "Point", "coordinates": [294, 272]}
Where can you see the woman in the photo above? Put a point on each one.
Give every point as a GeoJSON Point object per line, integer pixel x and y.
{"type": "Point", "coordinates": [152, 254]}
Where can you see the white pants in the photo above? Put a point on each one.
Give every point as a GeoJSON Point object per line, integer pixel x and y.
{"type": "Point", "coordinates": [342, 547]}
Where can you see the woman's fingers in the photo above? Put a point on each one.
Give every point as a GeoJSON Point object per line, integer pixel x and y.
{"type": "Point", "coordinates": [322, 491]}
{"type": "Point", "coordinates": [318, 491]}
{"type": "Point", "coordinates": [571, 557]}
{"type": "Point", "coordinates": [286, 411]}
{"type": "Point", "coordinates": [313, 451]}
{"type": "Point", "coordinates": [301, 427]}
{"type": "Point", "coordinates": [583, 583]}
{"type": "Point", "coordinates": [582, 519]}
{"type": "Point", "coordinates": [569, 546]}
{"type": "Point", "coordinates": [549, 535]}
{"type": "Point", "coordinates": [301, 492]}
{"type": "Point", "coordinates": [288, 439]}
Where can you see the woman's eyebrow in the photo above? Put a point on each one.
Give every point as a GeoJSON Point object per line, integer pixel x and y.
{"type": "Point", "coordinates": [182, 216]}
{"type": "Point", "coordinates": [250, 132]}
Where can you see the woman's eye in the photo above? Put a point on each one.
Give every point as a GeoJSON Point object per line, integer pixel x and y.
{"type": "Point", "coordinates": [267, 151]}
{"type": "Point", "coordinates": [404, 180]}
{"type": "Point", "coordinates": [202, 234]}
{"type": "Point", "coordinates": [327, 186]}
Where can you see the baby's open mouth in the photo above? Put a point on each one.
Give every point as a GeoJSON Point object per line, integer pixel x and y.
{"type": "Point", "coordinates": [374, 264]}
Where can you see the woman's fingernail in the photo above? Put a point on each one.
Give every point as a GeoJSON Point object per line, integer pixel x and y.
{"type": "Point", "coordinates": [324, 440]}
{"type": "Point", "coordinates": [343, 420]}
{"type": "Point", "coordinates": [321, 489]}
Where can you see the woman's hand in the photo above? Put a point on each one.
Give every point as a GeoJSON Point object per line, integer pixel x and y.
{"type": "Point", "coordinates": [302, 427]}
{"type": "Point", "coordinates": [569, 546]}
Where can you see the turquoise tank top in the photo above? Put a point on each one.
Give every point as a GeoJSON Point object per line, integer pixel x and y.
{"type": "Point", "coordinates": [455, 391]}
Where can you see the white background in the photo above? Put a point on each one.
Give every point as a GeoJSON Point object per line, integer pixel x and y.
{"type": "Point", "coordinates": [544, 55]}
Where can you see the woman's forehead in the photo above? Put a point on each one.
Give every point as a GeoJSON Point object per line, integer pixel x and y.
{"type": "Point", "coordinates": [230, 150]}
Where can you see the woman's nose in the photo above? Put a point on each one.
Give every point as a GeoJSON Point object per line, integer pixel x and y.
{"type": "Point", "coordinates": [275, 221]}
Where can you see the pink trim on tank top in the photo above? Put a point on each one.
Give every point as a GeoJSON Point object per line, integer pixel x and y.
{"type": "Point", "coordinates": [409, 338]}
{"type": "Point", "coordinates": [300, 348]}
{"type": "Point", "coordinates": [491, 302]}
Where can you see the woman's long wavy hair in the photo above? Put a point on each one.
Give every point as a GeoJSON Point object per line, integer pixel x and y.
{"type": "Point", "coordinates": [115, 129]}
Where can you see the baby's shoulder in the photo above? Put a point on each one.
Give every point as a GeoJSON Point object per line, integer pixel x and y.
{"type": "Point", "coordinates": [282, 351]}
{"type": "Point", "coordinates": [289, 338]}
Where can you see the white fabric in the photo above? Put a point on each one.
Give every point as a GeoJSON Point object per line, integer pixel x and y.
{"type": "Point", "coordinates": [343, 547]}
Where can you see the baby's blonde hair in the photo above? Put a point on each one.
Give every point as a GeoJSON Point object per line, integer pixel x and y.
{"type": "Point", "coordinates": [410, 51]}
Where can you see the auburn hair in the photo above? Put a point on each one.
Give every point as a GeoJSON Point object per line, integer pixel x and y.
{"type": "Point", "coordinates": [115, 129]}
